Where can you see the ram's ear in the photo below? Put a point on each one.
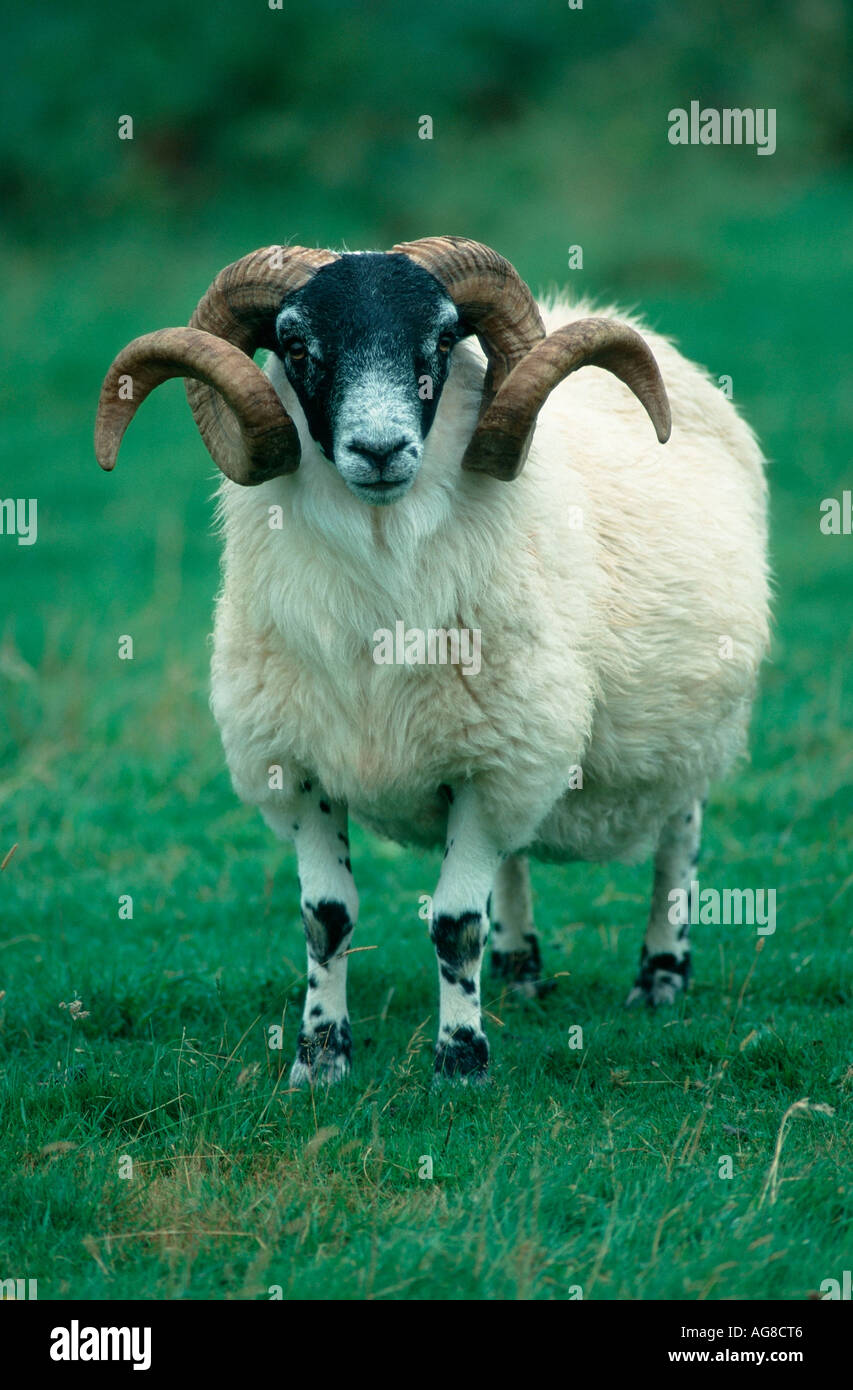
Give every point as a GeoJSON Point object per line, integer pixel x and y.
{"type": "Point", "coordinates": [464, 327]}
{"type": "Point", "coordinates": [500, 442]}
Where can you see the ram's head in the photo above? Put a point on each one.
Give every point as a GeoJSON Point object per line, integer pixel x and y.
{"type": "Point", "coordinates": [359, 336]}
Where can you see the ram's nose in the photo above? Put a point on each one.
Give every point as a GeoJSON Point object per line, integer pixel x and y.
{"type": "Point", "coordinates": [381, 455]}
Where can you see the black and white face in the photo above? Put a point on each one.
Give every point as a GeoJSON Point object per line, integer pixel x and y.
{"type": "Point", "coordinates": [366, 346]}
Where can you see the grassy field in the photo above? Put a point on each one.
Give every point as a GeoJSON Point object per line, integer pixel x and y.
{"type": "Point", "coordinates": [594, 1168]}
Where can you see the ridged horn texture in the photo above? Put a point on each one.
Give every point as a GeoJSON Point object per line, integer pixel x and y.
{"type": "Point", "coordinates": [489, 293]}
{"type": "Point", "coordinates": [267, 437]}
{"type": "Point", "coordinates": [524, 364]}
{"type": "Point", "coordinates": [500, 442]}
{"type": "Point", "coordinates": [241, 307]}
{"type": "Point", "coordinates": [247, 430]}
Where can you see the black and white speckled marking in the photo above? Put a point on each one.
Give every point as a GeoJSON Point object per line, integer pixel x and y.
{"type": "Point", "coordinates": [516, 959]}
{"type": "Point", "coordinates": [459, 929]}
{"type": "Point", "coordinates": [329, 904]}
{"type": "Point", "coordinates": [665, 958]}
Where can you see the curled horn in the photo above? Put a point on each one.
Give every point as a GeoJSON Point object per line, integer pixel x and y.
{"type": "Point", "coordinates": [267, 443]}
{"type": "Point", "coordinates": [490, 295]}
{"type": "Point", "coordinates": [499, 444]}
{"type": "Point", "coordinates": [246, 428]}
{"type": "Point", "coordinates": [524, 364]}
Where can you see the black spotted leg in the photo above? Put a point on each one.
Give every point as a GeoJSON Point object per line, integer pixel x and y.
{"type": "Point", "coordinates": [516, 958]}
{"type": "Point", "coordinates": [665, 957]}
{"type": "Point", "coordinates": [329, 903]}
{"type": "Point", "coordinates": [459, 929]}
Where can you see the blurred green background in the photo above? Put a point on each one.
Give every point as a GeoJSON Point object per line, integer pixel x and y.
{"type": "Point", "coordinates": [253, 126]}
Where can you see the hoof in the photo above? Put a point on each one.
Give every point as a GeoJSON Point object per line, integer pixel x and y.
{"type": "Point", "coordinates": [661, 980]}
{"type": "Point", "coordinates": [521, 971]}
{"type": "Point", "coordinates": [442, 1081]}
{"type": "Point", "coordinates": [323, 1058]}
{"type": "Point", "coordinates": [531, 989]}
{"type": "Point", "coordinates": [325, 1072]}
{"type": "Point", "coordinates": [464, 1058]}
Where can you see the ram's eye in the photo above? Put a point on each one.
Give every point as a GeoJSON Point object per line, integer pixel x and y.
{"type": "Point", "coordinates": [446, 341]}
{"type": "Point", "coordinates": [296, 350]}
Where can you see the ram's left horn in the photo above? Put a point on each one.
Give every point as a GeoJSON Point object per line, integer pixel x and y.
{"type": "Point", "coordinates": [499, 443]}
{"type": "Point", "coordinates": [489, 293]}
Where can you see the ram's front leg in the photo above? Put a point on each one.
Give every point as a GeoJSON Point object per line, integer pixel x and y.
{"type": "Point", "coordinates": [329, 904]}
{"type": "Point", "coordinates": [459, 929]}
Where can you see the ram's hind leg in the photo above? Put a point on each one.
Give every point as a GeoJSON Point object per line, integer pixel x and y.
{"type": "Point", "coordinates": [329, 903]}
{"type": "Point", "coordinates": [516, 958]}
{"type": "Point", "coordinates": [665, 957]}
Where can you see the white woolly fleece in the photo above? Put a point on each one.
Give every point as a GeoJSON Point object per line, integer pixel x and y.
{"type": "Point", "coordinates": [603, 644]}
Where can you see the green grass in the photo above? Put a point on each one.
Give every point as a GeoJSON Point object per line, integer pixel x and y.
{"type": "Point", "coordinates": [596, 1167]}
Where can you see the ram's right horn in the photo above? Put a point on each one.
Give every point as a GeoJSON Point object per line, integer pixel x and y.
{"type": "Point", "coordinates": [265, 442]}
{"type": "Point", "coordinates": [244, 425]}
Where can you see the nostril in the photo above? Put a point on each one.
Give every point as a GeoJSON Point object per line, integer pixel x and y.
{"type": "Point", "coordinates": [378, 455]}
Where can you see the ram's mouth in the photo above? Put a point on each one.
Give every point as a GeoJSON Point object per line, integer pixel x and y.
{"type": "Point", "coordinates": [382, 492]}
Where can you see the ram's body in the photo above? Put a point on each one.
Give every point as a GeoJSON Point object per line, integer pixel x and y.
{"type": "Point", "coordinates": [620, 590]}
{"type": "Point", "coordinates": [614, 593]}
